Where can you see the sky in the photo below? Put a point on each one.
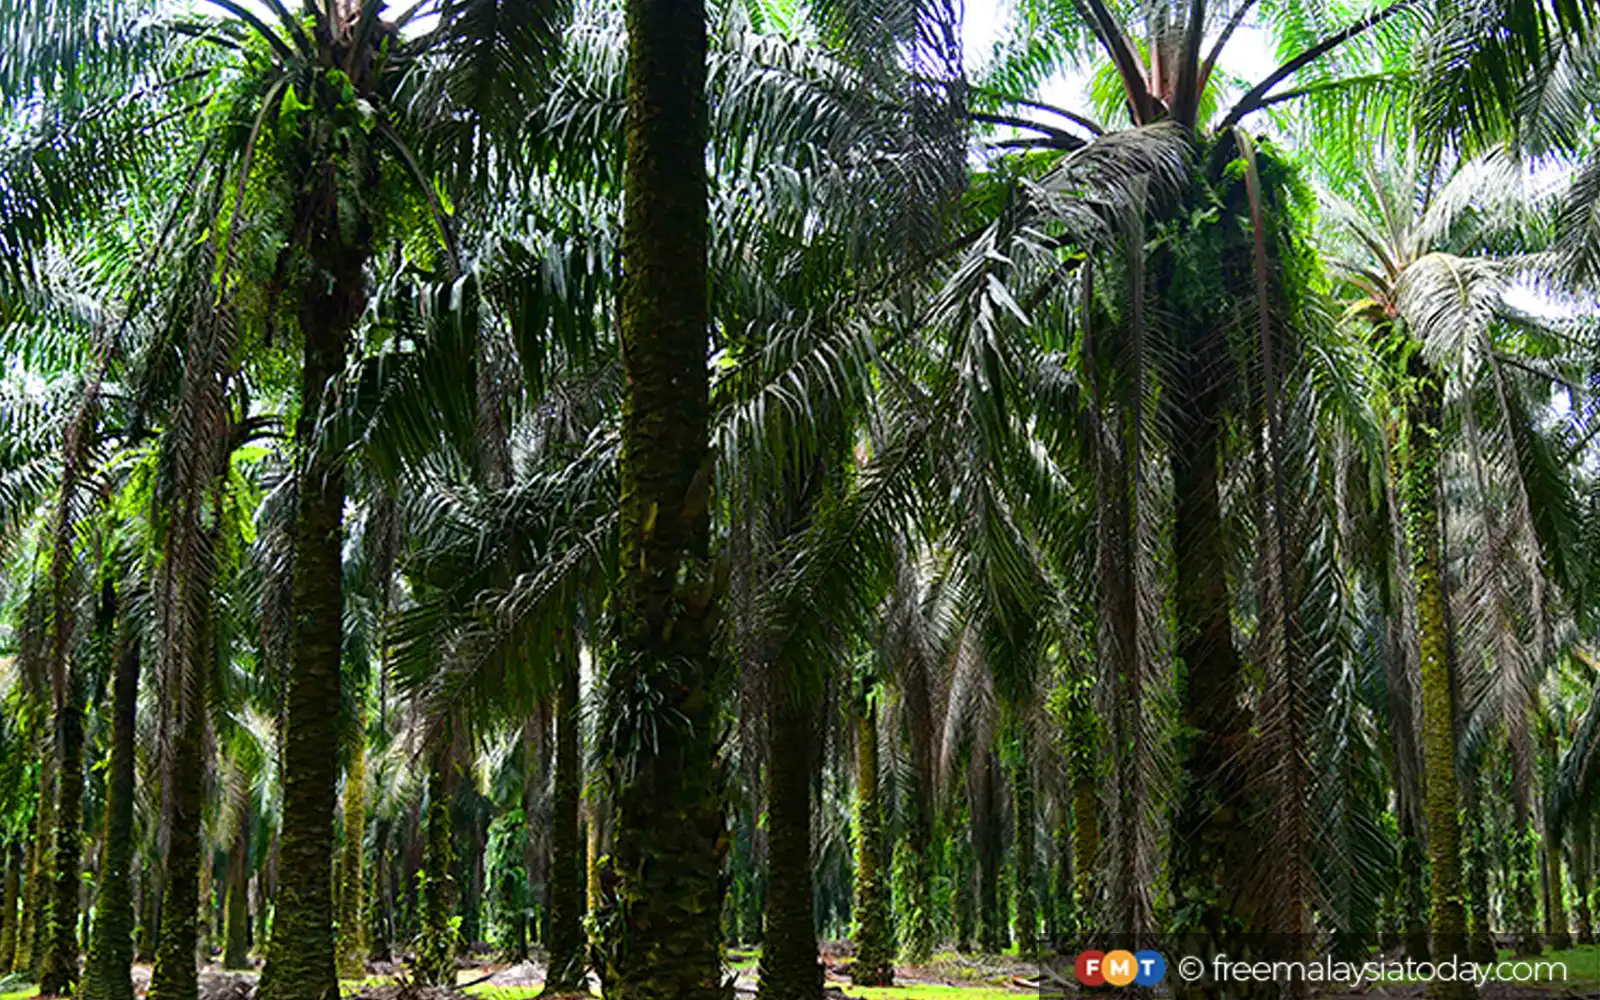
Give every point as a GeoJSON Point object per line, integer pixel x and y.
{"type": "Point", "coordinates": [1248, 54]}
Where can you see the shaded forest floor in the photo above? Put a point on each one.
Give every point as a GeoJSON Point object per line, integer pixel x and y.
{"type": "Point", "coordinates": [950, 976]}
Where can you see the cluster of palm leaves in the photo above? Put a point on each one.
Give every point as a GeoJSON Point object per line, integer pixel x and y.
{"type": "Point", "coordinates": [1169, 520]}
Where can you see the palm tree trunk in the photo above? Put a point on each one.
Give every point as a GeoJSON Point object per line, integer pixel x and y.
{"type": "Point", "coordinates": [1559, 935]}
{"type": "Point", "coordinates": [1417, 460]}
{"type": "Point", "coordinates": [789, 966]}
{"type": "Point", "coordinates": [986, 845]}
{"type": "Point", "coordinates": [380, 906]}
{"type": "Point", "coordinates": [300, 957]}
{"type": "Point", "coordinates": [144, 945]}
{"type": "Point", "coordinates": [174, 976]}
{"type": "Point", "coordinates": [236, 931]}
{"type": "Point", "coordinates": [1581, 873]}
{"type": "Point", "coordinates": [1480, 941]}
{"type": "Point", "coordinates": [1061, 882]}
{"type": "Point", "coordinates": [1027, 901]}
{"type": "Point", "coordinates": [566, 945]}
{"type": "Point", "coordinates": [1083, 740]}
{"type": "Point", "coordinates": [668, 789]}
{"type": "Point", "coordinates": [352, 929]}
{"type": "Point", "coordinates": [961, 856]}
{"type": "Point", "coordinates": [58, 973]}
{"type": "Point", "coordinates": [10, 890]}
{"type": "Point", "coordinates": [1213, 847]}
{"type": "Point", "coordinates": [874, 934]}
{"type": "Point", "coordinates": [34, 922]}
{"type": "Point", "coordinates": [436, 947]}
{"type": "Point", "coordinates": [108, 973]}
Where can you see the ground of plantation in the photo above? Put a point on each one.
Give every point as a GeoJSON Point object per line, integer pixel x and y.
{"type": "Point", "coordinates": [950, 976]}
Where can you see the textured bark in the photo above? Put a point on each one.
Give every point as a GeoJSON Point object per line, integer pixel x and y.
{"type": "Point", "coordinates": [436, 947]}
{"type": "Point", "coordinates": [566, 944]}
{"type": "Point", "coordinates": [300, 956]}
{"type": "Point", "coordinates": [33, 923]}
{"type": "Point", "coordinates": [352, 891]}
{"type": "Point", "coordinates": [108, 974]}
{"type": "Point", "coordinates": [1480, 940]}
{"type": "Point", "coordinates": [380, 905]}
{"type": "Point", "coordinates": [1559, 936]}
{"type": "Point", "coordinates": [1582, 859]}
{"type": "Point", "coordinates": [175, 976]}
{"type": "Point", "coordinates": [144, 938]}
{"type": "Point", "coordinates": [789, 966]}
{"type": "Point", "coordinates": [961, 855]}
{"type": "Point", "coordinates": [987, 848]}
{"type": "Point", "coordinates": [874, 933]}
{"type": "Point", "coordinates": [10, 890]}
{"type": "Point", "coordinates": [58, 969]}
{"type": "Point", "coordinates": [1213, 849]}
{"type": "Point", "coordinates": [1027, 900]}
{"type": "Point", "coordinates": [663, 921]}
{"type": "Point", "coordinates": [236, 917]}
{"type": "Point", "coordinates": [1417, 454]}
{"type": "Point", "coordinates": [1064, 912]}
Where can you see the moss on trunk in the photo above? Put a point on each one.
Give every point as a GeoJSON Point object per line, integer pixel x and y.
{"type": "Point", "coordinates": [789, 966]}
{"type": "Point", "coordinates": [1022, 837]}
{"type": "Point", "coordinates": [1417, 450]}
{"type": "Point", "coordinates": [1214, 849]}
{"type": "Point", "coordinates": [174, 976]}
{"type": "Point", "coordinates": [993, 933]}
{"type": "Point", "coordinates": [380, 904]}
{"type": "Point", "coordinates": [435, 965]}
{"type": "Point", "coordinates": [352, 890]}
{"type": "Point", "coordinates": [565, 938]}
{"type": "Point", "coordinates": [58, 968]}
{"type": "Point", "coordinates": [1581, 873]}
{"type": "Point", "coordinates": [33, 922]}
{"type": "Point", "coordinates": [662, 926]}
{"type": "Point", "coordinates": [874, 933]}
{"type": "Point", "coordinates": [12, 858]}
{"type": "Point", "coordinates": [1480, 940]}
{"type": "Point", "coordinates": [300, 956]}
{"type": "Point", "coordinates": [236, 903]}
{"type": "Point", "coordinates": [108, 974]}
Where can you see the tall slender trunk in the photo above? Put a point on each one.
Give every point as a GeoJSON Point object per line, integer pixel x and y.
{"type": "Point", "coordinates": [566, 945]}
{"type": "Point", "coordinates": [961, 856]}
{"type": "Point", "coordinates": [1560, 935]}
{"type": "Point", "coordinates": [10, 890]}
{"type": "Point", "coordinates": [352, 929]}
{"type": "Point", "coordinates": [236, 917]}
{"type": "Point", "coordinates": [1063, 912]}
{"type": "Point", "coordinates": [380, 905]}
{"type": "Point", "coordinates": [1213, 848]}
{"type": "Point", "coordinates": [987, 846]}
{"type": "Point", "coordinates": [874, 934]}
{"type": "Point", "coordinates": [1582, 858]}
{"type": "Point", "coordinates": [108, 975]}
{"type": "Point", "coordinates": [58, 972]}
{"type": "Point", "coordinates": [663, 690]}
{"type": "Point", "coordinates": [1083, 748]}
{"type": "Point", "coordinates": [436, 946]}
{"type": "Point", "coordinates": [789, 966]}
{"type": "Point", "coordinates": [34, 923]}
{"type": "Point", "coordinates": [1023, 826]}
{"type": "Point", "coordinates": [175, 976]}
{"type": "Point", "coordinates": [1480, 940]}
{"type": "Point", "coordinates": [300, 957]}
{"type": "Point", "coordinates": [1417, 454]}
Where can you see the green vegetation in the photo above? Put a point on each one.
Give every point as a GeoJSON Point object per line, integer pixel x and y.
{"type": "Point", "coordinates": [662, 488]}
